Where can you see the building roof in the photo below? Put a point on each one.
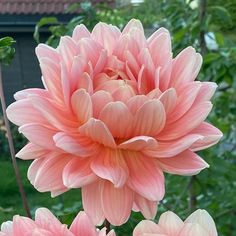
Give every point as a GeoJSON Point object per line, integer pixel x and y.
{"type": "Point", "coordinates": [39, 6]}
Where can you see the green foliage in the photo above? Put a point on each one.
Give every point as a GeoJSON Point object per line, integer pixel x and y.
{"type": "Point", "coordinates": [6, 50]}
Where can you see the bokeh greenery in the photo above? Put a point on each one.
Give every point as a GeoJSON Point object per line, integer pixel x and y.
{"type": "Point", "coordinates": [211, 28]}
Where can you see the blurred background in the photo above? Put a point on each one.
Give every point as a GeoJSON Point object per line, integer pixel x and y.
{"type": "Point", "coordinates": [208, 25]}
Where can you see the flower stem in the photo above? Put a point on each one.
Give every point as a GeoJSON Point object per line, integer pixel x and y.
{"type": "Point", "coordinates": [12, 150]}
{"type": "Point", "coordinates": [108, 226]}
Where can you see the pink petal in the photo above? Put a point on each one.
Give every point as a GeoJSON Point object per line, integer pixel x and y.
{"type": "Point", "coordinates": [203, 218]}
{"type": "Point", "coordinates": [22, 112]}
{"type": "Point", "coordinates": [82, 105]}
{"type": "Point", "coordinates": [98, 132]}
{"type": "Point", "coordinates": [80, 32]}
{"type": "Point", "coordinates": [117, 118]}
{"type": "Point", "coordinates": [169, 100]}
{"type": "Point", "coordinates": [211, 135]}
{"type": "Point", "coordinates": [99, 100]}
{"type": "Point", "coordinates": [155, 93]}
{"type": "Point", "coordinates": [149, 119]}
{"type": "Point", "coordinates": [39, 134]}
{"type": "Point", "coordinates": [91, 197]}
{"type": "Point", "coordinates": [22, 94]}
{"type": "Point", "coordinates": [101, 63]}
{"type": "Point", "coordinates": [136, 102]}
{"type": "Point", "coordinates": [55, 115]}
{"type": "Point", "coordinates": [193, 118]}
{"type": "Point", "coordinates": [116, 203]}
{"type": "Point", "coordinates": [171, 223]}
{"type": "Point", "coordinates": [185, 100]}
{"type": "Point", "coordinates": [106, 35]}
{"type": "Point", "coordinates": [133, 23]}
{"type": "Point", "coordinates": [139, 143]}
{"type": "Point", "coordinates": [77, 173]}
{"type": "Point", "coordinates": [147, 208]}
{"type": "Point", "coordinates": [82, 226]}
{"type": "Point", "coordinates": [123, 93]}
{"type": "Point", "coordinates": [43, 50]}
{"type": "Point", "coordinates": [169, 149]}
{"type": "Point", "coordinates": [22, 225]}
{"type": "Point", "coordinates": [193, 230]}
{"type": "Point", "coordinates": [79, 146]}
{"type": "Point", "coordinates": [85, 82]}
{"type": "Point", "coordinates": [147, 227]}
{"type": "Point", "coordinates": [206, 92]}
{"type": "Point", "coordinates": [110, 165]}
{"type": "Point", "coordinates": [67, 49]}
{"type": "Point", "coordinates": [185, 67]}
{"type": "Point", "coordinates": [149, 184]}
{"type": "Point", "coordinates": [185, 163]}
{"type": "Point", "coordinates": [46, 220]}
{"type": "Point", "coordinates": [48, 173]}
{"type": "Point", "coordinates": [31, 151]}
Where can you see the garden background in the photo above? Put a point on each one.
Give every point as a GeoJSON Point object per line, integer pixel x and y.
{"type": "Point", "coordinates": [208, 25]}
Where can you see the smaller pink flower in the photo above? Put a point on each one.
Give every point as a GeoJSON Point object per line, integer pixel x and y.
{"type": "Point", "coordinates": [199, 223]}
{"type": "Point", "coordinates": [46, 224]}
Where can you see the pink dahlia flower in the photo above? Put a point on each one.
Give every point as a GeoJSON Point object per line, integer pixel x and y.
{"type": "Point", "coordinates": [199, 223]}
{"type": "Point", "coordinates": [117, 110]}
{"type": "Point", "coordinates": [46, 224]}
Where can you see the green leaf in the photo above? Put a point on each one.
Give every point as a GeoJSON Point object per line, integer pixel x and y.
{"type": "Point", "coordinates": [220, 39]}
{"type": "Point", "coordinates": [43, 22]}
{"type": "Point", "coordinates": [210, 57]}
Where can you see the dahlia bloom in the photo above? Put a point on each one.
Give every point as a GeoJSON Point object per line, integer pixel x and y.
{"type": "Point", "coordinates": [117, 111]}
{"type": "Point", "coordinates": [199, 223]}
{"type": "Point", "coordinates": [46, 224]}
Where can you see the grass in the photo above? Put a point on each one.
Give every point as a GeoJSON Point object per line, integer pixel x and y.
{"type": "Point", "coordinates": [10, 201]}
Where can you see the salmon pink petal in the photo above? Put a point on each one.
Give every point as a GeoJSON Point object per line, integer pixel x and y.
{"type": "Point", "coordinates": [67, 49]}
{"type": "Point", "coordinates": [146, 227]}
{"type": "Point", "coordinates": [43, 50]}
{"type": "Point", "coordinates": [136, 102]}
{"type": "Point", "coordinates": [99, 100]}
{"type": "Point", "coordinates": [30, 114]}
{"type": "Point", "coordinates": [185, 100]}
{"type": "Point", "coordinates": [39, 134]}
{"type": "Point", "coordinates": [77, 173]}
{"type": "Point", "coordinates": [106, 35]}
{"type": "Point", "coordinates": [193, 230]}
{"type": "Point", "coordinates": [92, 203]}
{"type": "Point", "coordinates": [197, 114]}
{"type": "Point", "coordinates": [31, 151]}
{"type": "Point", "coordinates": [34, 91]}
{"type": "Point", "coordinates": [116, 203]}
{"type": "Point", "coordinates": [148, 208]}
{"type": "Point", "coordinates": [79, 146]}
{"type": "Point", "coordinates": [117, 118]}
{"type": "Point", "coordinates": [206, 92]}
{"type": "Point", "coordinates": [185, 67]}
{"type": "Point", "coordinates": [169, 100]}
{"type": "Point", "coordinates": [22, 225]}
{"type": "Point", "coordinates": [55, 116]}
{"type": "Point", "coordinates": [98, 132]}
{"type": "Point", "coordinates": [203, 218]}
{"type": "Point", "coordinates": [150, 184]}
{"type": "Point", "coordinates": [211, 135]}
{"type": "Point", "coordinates": [133, 23]}
{"type": "Point", "coordinates": [123, 93]}
{"type": "Point", "coordinates": [185, 163]}
{"type": "Point", "coordinates": [82, 226]}
{"type": "Point", "coordinates": [139, 143]}
{"type": "Point", "coordinates": [110, 165]}
{"type": "Point", "coordinates": [155, 93]}
{"type": "Point", "coordinates": [80, 32]}
{"type": "Point", "coordinates": [149, 119]}
{"type": "Point", "coordinates": [172, 148]}
{"type": "Point", "coordinates": [48, 174]}
{"type": "Point", "coordinates": [171, 223]}
{"type": "Point", "coordinates": [46, 220]}
{"type": "Point", "coordinates": [82, 105]}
